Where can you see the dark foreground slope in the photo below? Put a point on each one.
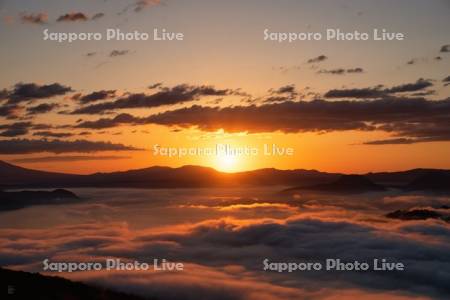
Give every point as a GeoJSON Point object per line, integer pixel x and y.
{"type": "Point", "coordinates": [28, 286]}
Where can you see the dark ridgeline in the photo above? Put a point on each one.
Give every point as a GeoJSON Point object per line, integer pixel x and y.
{"type": "Point", "coordinates": [195, 176]}
{"type": "Point", "coordinates": [345, 184]}
{"type": "Point", "coordinates": [158, 177]}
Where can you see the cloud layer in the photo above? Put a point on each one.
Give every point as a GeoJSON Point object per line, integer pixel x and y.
{"type": "Point", "coordinates": [228, 237]}
{"type": "Point", "coordinates": [414, 118]}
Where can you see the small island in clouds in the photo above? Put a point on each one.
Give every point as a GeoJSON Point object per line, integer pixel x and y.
{"type": "Point", "coordinates": [367, 122]}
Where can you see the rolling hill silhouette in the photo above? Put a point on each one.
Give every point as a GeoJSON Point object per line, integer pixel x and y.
{"type": "Point", "coordinates": [159, 177]}
{"type": "Point", "coordinates": [196, 176]}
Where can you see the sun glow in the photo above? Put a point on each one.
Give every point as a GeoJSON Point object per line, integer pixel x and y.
{"type": "Point", "coordinates": [226, 163]}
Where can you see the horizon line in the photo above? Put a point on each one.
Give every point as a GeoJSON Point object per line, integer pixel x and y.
{"type": "Point", "coordinates": [223, 172]}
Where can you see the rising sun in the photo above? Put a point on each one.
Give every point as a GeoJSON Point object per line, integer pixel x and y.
{"type": "Point", "coordinates": [226, 163]}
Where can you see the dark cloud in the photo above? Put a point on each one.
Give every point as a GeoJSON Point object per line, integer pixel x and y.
{"type": "Point", "coordinates": [445, 48]}
{"type": "Point", "coordinates": [85, 133]}
{"type": "Point", "coordinates": [25, 146]}
{"type": "Point", "coordinates": [409, 120]}
{"type": "Point", "coordinates": [94, 96]}
{"type": "Point", "coordinates": [90, 54]}
{"type": "Point", "coordinates": [116, 53]}
{"type": "Point", "coordinates": [72, 17]}
{"type": "Point", "coordinates": [52, 134]}
{"type": "Point", "coordinates": [31, 91]}
{"type": "Point", "coordinates": [273, 99]}
{"type": "Point", "coordinates": [446, 79]}
{"type": "Point", "coordinates": [284, 93]}
{"type": "Point", "coordinates": [333, 71]}
{"type": "Point", "coordinates": [355, 70]}
{"type": "Point", "coordinates": [155, 85]}
{"type": "Point", "coordinates": [355, 93]}
{"type": "Point", "coordinates": [108, 123]}
{"type": "Point", "coordinates": [140, 5]}
{"type": "Point", "coordinates": [165, 96]}
{"type": "Point", "coordinates": [284, 89]}
{"type": "Point", "coordinates": [38, 18]}
{"type": "Point", "coordinates": [317, 59]}
{"type": "Point", "coordinates": [15, 129]}
{"type": "Point", "coordinates": [379, 91]}
{"type": "Point", "coordinates": [59, 158]}
{"type": "Point", "coordinates": [415, 118]}
{"type": "Point", "coordinates": [97, 16]}
{"type": "Point", "coordinates": [9, 111]}
{"type": "Point", "coordinates": [41, 108]}
{"type": "Point", "coordinates": [424, 93]}
{"type": "Point", "coordinates": [420, 84]}
{"type": "Point", "coordinates": [396, 141]}
{"type": "Point", "coordinates": [341, 71]}
{"type": "Point", "coordinates": [4, 94]}
{"type": "Point", "coordinates": [42, 126]}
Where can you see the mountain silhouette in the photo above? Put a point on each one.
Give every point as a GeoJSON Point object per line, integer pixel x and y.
{"type": "Point", "coordinates": [438, 180]}
{"type": "Point", "coordinates": [159, 177]}
{"type": "Point", "coordinates": [16, 176]}
{"type": "Point", "coordinates": [345, 184]}
{"type": "Point", "coordinates": [196, 176]}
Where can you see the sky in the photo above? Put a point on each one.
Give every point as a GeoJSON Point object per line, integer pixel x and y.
{"type": "Point", "coordinates": [342, 106]}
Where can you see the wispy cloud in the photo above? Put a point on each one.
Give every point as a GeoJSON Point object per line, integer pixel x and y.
{"type": "Point", "coordinates": [62, 158]}
{"type": "Point", "coordinates": [34, 18]}
{"type": "Point", "coordinates": [317, 59]}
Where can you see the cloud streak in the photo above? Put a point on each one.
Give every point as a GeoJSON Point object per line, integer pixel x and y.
{"type": "Point", "coordinates": [94, 96]}
{"type": "Point", "coordinates": [165, 96]}
{"type": "Point", "coordinates": [317, 59]}
{"type": "Point", "coordinates": [341, 71]}
{"type": "Point", "coordinates": [24, 92]}
{"type": "Point", "coordinates": [379, 91]}
{"type": "Point", "coordinates": [62, 158]}
{"type": "Point", "coordinates": [26, 146]}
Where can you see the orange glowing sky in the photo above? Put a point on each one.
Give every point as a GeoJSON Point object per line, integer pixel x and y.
{"type": "Point", "coordinates": [224, 55]}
